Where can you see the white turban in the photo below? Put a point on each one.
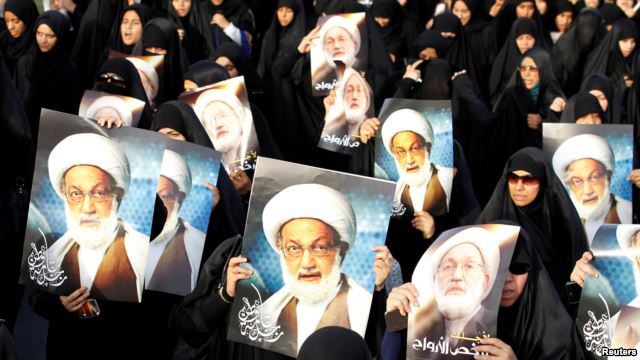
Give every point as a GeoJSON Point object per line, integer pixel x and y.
{"type": "Point", "coordinates": [312, 201]}
{"type": "Point", "coordinates": [585, 146]}
{"type": "Point", "coordinates": [89, 149]}
{"type": "Point", "coordinates": [176, 168]}
{"type": "Point", "coordinates": [149, 71]}
{"type": "Point", "coordinates": [119, 105]}
{"type": "Point", "coordinates": [482, 240]}
{"type": "Point", "coordinates": [341, 22]}
{"type": "Point", "coordinates": [226, 97]}
{"type": "Point", "coordinates": [406, 120]}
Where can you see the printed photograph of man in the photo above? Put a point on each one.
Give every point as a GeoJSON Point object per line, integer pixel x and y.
{"type": "Point", "coordinates": [340, 39]}
{"type": "Point", "coordinates": [460, 275]}
{"type": "Point", "coordinates": [228, 124]}
{"type": "Point", "coordinates": [148, 76]}
{"type": "Point", "coordinates": [110, 110]}
{"type": "Point", "coordinates": [585, 164]}
{"type": "Point", "coordinates": [175, 254]}
{"type": "Point", "coordinates": [312, 238]}
{"type": "Point", "coordinates": [99, 251]}
{"type": "Point", "coordinates": [422, 185]}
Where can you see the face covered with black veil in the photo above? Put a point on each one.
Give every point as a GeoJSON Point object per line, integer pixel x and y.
{"type": "Point", "coordinates": [550, 217]}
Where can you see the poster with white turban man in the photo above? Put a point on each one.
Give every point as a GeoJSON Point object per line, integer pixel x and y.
{"type": "Point", "coordinates": [460, 281]}
{"type": "Point", "coordinates": [414, 147]}
{"type": "Point", "coordinates": [92, 204]}
{"type": "Point", "coordinates": [186, 190]}
{"type": "Point", "coordinates": [110, 109]}
{"type": "Point", "coordinates": [593, 162]}
{"type": "Point", "coordinates": [309, 239]}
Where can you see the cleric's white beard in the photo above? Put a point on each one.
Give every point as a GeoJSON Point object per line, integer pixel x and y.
{"type": "Point", "coordinates": [589, 212]}
{"type": "Point", "coordinates": [92, 238]}
{"type": "Point", "coordinates": [420, 178]}
{"type": "Point", "coordinates": [313, 293]}
{"type": "Point", "coordinates": [354, 116]}
{"type": "Point", "coordinates": [348, 58]}
{"type": "Point", "coordinates": [455, 307]}
{"type": "Point", "coordinates": [227, 143]}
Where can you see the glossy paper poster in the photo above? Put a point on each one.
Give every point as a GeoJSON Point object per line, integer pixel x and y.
{"type": "Point", "coordinates": [608, 321]}
{"type": "Point", "coordinates": [109, 108]}
{"type": "Point", "coordinates": [593, 163]}
{"type": "Point", "coordinates": [309, 237]}
{"type": "Point", "coordinates": [187, 175]}
{"type": "Point", "coordinates": [342, 43]}
{"type": "Point", "coordinates": [151, 71]}
{"type": "Point", "coordinates": [460, 276]}
{"type": "Point", "coordinates": [414, 146]}
{"type": "Point", "coordinates": [91, 207]}
{"type": "Point", "coordinates": [224, 111]}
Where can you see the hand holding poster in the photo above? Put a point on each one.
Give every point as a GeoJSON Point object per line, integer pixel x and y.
{"type": "Point", "coordinates": [459, 281]}
{"type": "Point", "coordinates": [309, 240]}
{"type": "Point", "coordinates": [109, 109]}
{"type": "Point", "coordinates": [92, 202]}
{"type": "Point", "coordinates": [187, 174]}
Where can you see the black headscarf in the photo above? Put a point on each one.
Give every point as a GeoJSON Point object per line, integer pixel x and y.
{"type": "Point", "coordinates": [12, 48]}
{"type": "Point", "coordinates": [336, 343]}
{"type": "Point", "coordinates": [392, 33]}
{"type": "Point", "coordinates": [556, 8]}
{"type": "Point", "coordinates": [551, 220]}
{"type": "Point", "coordinates": [162, 33]}
{"type": "Point", "coordinates": [132, 85]}
{"type": "Point", "coordinates": [606, 85]}
{"type": "Point", "coordinates": [180, 117]}
{"type": "Point", "coordinates": [573, 47]}
{"type": "Point", "coordinates": [507, 16]}
{"type": "Point", "coordinates": [536, 326]}
{"type": "Point", "coordinates": [198, 40]}
{"type": "Point", "coordinates": [206, 72]}
{"type": "Point", "coordinates": [436, 80]}
{"type": "Point", "coordinates": [430, 39]}
{"type": "Point", "coordinates": [278, 40]}
{"type": "Point", "coordinates": [236, 12]}
{"type": "Point", "coordinates": [582, 104]}
{"type": "Point", "coordinates": [611, 13]}
{"type": "Point", "coordinates": [144, 13]}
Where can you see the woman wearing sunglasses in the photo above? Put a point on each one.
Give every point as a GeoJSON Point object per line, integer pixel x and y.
{"type": "Point", "coordinates": [530, 194]}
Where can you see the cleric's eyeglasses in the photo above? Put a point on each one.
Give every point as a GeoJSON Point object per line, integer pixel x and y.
{"type": "Point", "coordinates": [99, 196]}
{"type": "Point", "coordinates": [320, 250]}
{"type": "Point", "coordinates": [527, 180]}
{"type": "Point", "coordinates": [112, 78]}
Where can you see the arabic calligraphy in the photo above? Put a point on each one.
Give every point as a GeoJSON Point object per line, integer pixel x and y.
{"type": "Point", "coordinates": [398, 209]}
{"type": "Point", "coordinates": [597, 334]}
{"type": "Point", "coordinates": [443, 346]}
{"type": "Point", "coordinates": [343, 141]}
{"type": "Point", "coordinates": [247, 162]}
{"type": "Point", "coordinates": [255, 324]}
{"type": "Point", "coordinates": [41, 269]}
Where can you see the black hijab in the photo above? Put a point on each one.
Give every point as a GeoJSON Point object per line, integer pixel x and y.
{"type": "Point", "coordinates": [179, 116]}
{"type": "Point", "coordinates": [551, 220]}
{"type": "Point", "coordinates": [611, 13]}
{"type": "Point", "coordinates": [162, 33]}
{"type": "Point", "coordinates": [399, 34]}
{"type": "Point", "coordinates": [436, 80]}
{"type": "Point", "coordinates": [14, 48]}
{"type": "Point", "coordinates": [430, 39]}
{"type": "Point", "coordinates": [131, 86]}
{"type": "Point", "coordinates": [144, 13]}
{"type": "Point", "coordinates": [206, 72]}
{"type": "Point", "coordinates": [254, 83]}
{"type": "Point", "coordinates": [236, 12]}
{"type": "Point", "coordinates": [536, 326]}
{"type": "Point", "coordinates": [606, 86]}
{"type": "Point", "coordinates": [581, 104]}
{"type": "Point", "coordinates": [507, 16]}
{"type": "Point", "coordinates": [198, 40]}
{"type": "Point", "coordinates": [336, 343]}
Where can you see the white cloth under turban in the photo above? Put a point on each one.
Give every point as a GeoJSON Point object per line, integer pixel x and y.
{"type": "Point", "coordinates": [406, 120]}
{"type": "Point", "coordinates": [117, 104]}
{"type": "Point", "coordinates": [342, 22]}
{"type": "Point", "coordinates": [89, 149]}
{"type": "Point", "coordinates": [226, 97]}
{"type": "Point", "coordinates": [150, 72]}
{"type": "Point", "coordinates": [585, 146]}
{"type": "Point", "coordinates": [177, 170]}
{"type": "Point", "coordinates": [311, 201]}
{"type": "Point", "coordinates": [482, 240]}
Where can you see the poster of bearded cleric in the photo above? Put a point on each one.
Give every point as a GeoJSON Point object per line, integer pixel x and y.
{"type": "Point", "coordinates": [106, 108]}
{"type": "Point", "coordinates": [460, 280]}
{"type": "Point", "coordinates": [151, 71]}
{"type": "Point", "coordinates": [224, 111]}
{"type": "Point", "coordinates": [608, 320]}
{"type": "Point", "coordinates": [341, 43]}
{"type": "Point", "coordinates": [187, 177]}
{"type": "Point", "coordinates": [92, 202]}
{"type": "Point", "coordinates": [346, 110]}
{"type": "Point", "coordinates": [414, 147]}
{"type": "Point", "coordinates": [309, 239]}
{"type": "Point", "coordinates": [593, 163]}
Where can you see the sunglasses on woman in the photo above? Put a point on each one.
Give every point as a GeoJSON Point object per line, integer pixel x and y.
{"type": "Point", "coordinates": [527, 180]}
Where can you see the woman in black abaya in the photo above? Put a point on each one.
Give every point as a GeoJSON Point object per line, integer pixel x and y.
{"type": "Point", "coordinates": [397, 32]}
{"type": "Point", "coordinates": [192, 20]}
{"type": "Point", "coordinates": [17, 38]}
{"type": "Point", "coordinates": [603, 88]}
{"type": "Point", "coordinates": [584, 108]}
{"type": "Point", "coordinates": [46, 77]}
{"type": "Point", "coordinates": [203, 72]}
{"type": "Point", "coordinates": [517, 9]}
{"type": "Point", "coordinates": [529, 193]}
{"type": "Point", "coordinates": [233, 18]}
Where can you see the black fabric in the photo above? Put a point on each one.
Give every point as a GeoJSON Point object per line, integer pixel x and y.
{"type": "Point", "coordinates": [586, 104]}
{"type": "Point", "coordinates": [573, 47]}
{"type": "Point", "coordinates": [330, 7]}
{"type": "Point", "coordinates": [16, 141]}
{"type": "Point", "coordinates": [162, 33]}
{"type": "Point", "coordinates": [614, 113]}
{"type": "Point", "coordinates": [236, 12]}
{"type": "Point", "coordinates": [336, 343]}
{"type": "Point", "coordinates": [144, 13]}
{"type": "Point", "coordinates": [551, 221]}
{"type": "Point", "coordinates": [12, 48]}
{"type": "Point", "coordinates": [206, 72]}
{"type": "Point", "coordinates": [125, 69]}
{"type": "Point", "coordinates": [399, 34]}
{"type": "Point", "coordinates": [198, 38]}
{"type": "Point", "coordinates": [507, 16]}
{"type": "Point", "coordinates": [556, 8]}
{"type": "Point", "coordinates": [537, 326]}
{"type": "Point", "coordinates": [48, 79]}
{"type": "Point", "coordinates": [430, 39]}
{"type": "Point", "coordinates": [611, 13]}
